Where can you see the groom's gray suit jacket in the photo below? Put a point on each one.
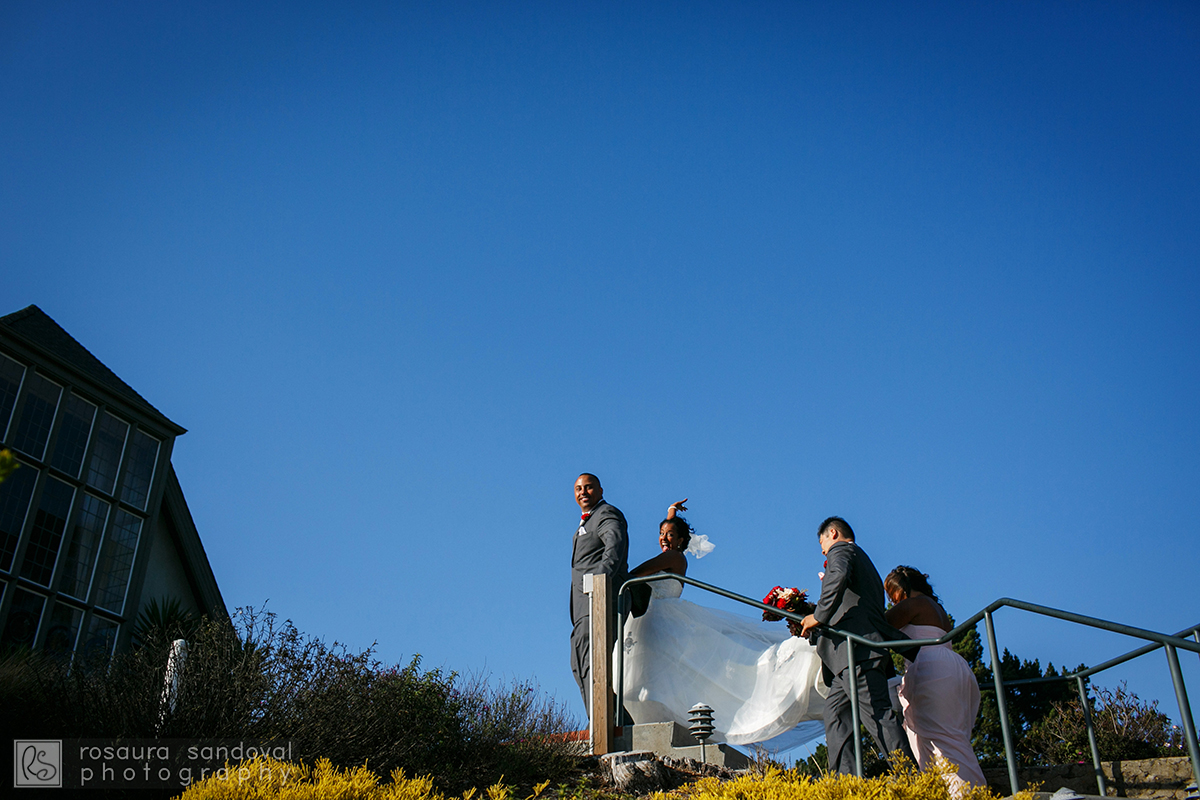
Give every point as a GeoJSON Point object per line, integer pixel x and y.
{"type": "Point", "coordinates": [852, 600]}
{"type": "Point", "coordinates": [602, 547]}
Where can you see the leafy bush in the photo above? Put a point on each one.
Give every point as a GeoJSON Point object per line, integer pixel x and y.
{"type": "Point", "coordinates": [1046, 719]}
{"type": "Point", "coordinates": [8, 463]}
{"type": "Point", "coordinates": [1126, 728]}
{"type": "Point", "coordinates": [905, 783]}
{"type": "Point", "coordinates": [1028, 705]}
{"type": "Point", "coordinates": [44, 696]}
{"type": "Point", "coordinates": [259, 679]}
{"type": "Point", "coordinates": [265, 778]}
{"type": "Point", "coordinates": [166, 615]}
{"type": "Point", "coordinates": [817, 764]}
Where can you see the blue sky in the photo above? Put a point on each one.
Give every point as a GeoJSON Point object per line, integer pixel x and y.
{"type": "Point", "coordinates": [404, 271]}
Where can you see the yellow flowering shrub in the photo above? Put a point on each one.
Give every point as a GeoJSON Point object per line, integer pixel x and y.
{"type": "Point", "coordinates": [265, 778]}
{"type": "Point", "coordinates": [775, 784]}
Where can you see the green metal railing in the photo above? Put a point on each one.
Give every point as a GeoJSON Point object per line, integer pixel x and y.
{"type": "Point", "coordinates": [1081, 678]}
{"type": "Point", "coordinates": [1156, 640]}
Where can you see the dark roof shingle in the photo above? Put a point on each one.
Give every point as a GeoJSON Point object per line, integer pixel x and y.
{"type": "Point", "coordinates": [35, 327]}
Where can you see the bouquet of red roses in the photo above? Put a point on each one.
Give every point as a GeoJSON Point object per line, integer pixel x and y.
{"type": "Point", "coordinates": [792, 600]}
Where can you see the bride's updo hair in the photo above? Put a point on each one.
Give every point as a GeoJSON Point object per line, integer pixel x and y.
{"type": "Point", "coordinates": [683, 530]}
{"type": "Point", "coordinates": [909, 580]}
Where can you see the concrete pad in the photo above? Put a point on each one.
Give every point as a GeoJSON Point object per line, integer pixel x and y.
{"type": "Point", "coordinates": [674, 740]}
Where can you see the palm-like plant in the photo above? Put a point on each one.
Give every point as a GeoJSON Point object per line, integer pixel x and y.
{"type": "Point", "coordinates": [166, 618]}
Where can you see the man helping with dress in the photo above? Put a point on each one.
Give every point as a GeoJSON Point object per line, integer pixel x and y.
{"type": "Point", "coordinates": [601, 547]}
{"type": "Point", "coordinates": [852, 600]}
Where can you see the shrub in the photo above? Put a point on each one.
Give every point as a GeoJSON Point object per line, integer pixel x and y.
{"type": "Point", "coordinates": [1126, 728]}
{"type": "Point", "coordinates": [905, 783]}
{"type": "Point", "coordinates": [167, 616]}
{"type": "Point", "coordinates": [817, 764]}
{"type": "Point", "coordinates": [258, 679]}
{"type": "Point", "coordinates": [1028, 705]}
{"type": "Point", "coordinates": [44, 696]}
{"type": "Point", "coordinates": [8, 463]}
{"type": "Point", "coordinates": [265, 778]}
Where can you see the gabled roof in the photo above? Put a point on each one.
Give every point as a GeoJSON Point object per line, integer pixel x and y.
{"type": "Point", "coordinates": [36, 329]}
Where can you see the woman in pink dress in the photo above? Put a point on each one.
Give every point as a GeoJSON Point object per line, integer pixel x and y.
{"type": "Point", "coordinates": [939, 693]}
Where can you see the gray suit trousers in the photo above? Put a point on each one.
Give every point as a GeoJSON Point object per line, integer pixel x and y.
{"type": "Point", "coordinates": [581, 658]}
{"type": "Point", "coordinates": [875, 710]}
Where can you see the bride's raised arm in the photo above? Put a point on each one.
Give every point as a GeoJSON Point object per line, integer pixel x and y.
{"type": "Point", "coordinates": [673, 536]}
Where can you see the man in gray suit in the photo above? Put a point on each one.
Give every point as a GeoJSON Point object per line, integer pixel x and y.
{"type": "Point", "coordinates": [601, 546]}
{"type": "Point", "coordinates": [852, 600]}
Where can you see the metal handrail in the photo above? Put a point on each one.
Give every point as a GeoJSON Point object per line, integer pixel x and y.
{"type": "Point", "coordinates": [1170, 643]}
{"type": "Point", "coordinates": [1087, 672]}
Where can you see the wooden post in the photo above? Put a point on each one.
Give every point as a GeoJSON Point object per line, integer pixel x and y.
{"type": "Point", "coordinates": [602, 710]}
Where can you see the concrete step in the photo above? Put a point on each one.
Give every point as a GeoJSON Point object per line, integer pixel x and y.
{"type": "Point", "coordinates": [670, 739]}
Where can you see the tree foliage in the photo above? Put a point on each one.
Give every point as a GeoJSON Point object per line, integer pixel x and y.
{"type": "Point", "coordinates": [8, 463]}
{"type": "Point", "coordinates": [1046, 719]}
{"type": "Point", "coordinates": [1125, 726]}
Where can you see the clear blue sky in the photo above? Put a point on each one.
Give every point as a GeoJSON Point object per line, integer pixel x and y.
{"type": "Point", "coordinates": [404, 271]}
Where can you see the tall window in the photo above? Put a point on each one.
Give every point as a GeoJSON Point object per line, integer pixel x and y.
{"type": "Point", "coordinates": [24, 616]}
{"type": "Point", "coordinates": [49, 524]}
{"type": "Point", "coordinates": [139, 469]}
{"type": "Point", "coordinates": [99, 640]}
{"type": "Point", "coordinates": [107, 446]}
{"type": "Point", "coordinates": [78, 415]}
{"type": "Point", "coordinates": [15, 494]}
{"type": "Point", "coordinates": [71, 516]}
{"type": "Point", "coordinates": [64, 629]}
{"type": "Point", "coordinates": [36, 418]}
{"type": "Point", "coordinates": [11, 374]}
{"type": "Point", "coordinates": [76, 574]}
{"type": "Point", "coordinates": [116, 561]}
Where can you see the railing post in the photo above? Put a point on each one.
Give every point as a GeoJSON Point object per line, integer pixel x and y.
{"type": "Point", "coordinates": [853, 676]}
{"type": "Point", "coordinates": [170, 693]}
{"type": "Point", "coordinates": [1081, 684]}
{"type": "Point", "coordinates": [1001, 704]}
{"type": "Point", "coordinates": [601, 646]}
{"type": "Point", "coordinates": [619, 678]}
{"type": "Point", "coordinates": [1185, 711]}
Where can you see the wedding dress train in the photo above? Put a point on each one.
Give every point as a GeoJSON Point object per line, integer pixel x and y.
{"type": "Point", "coordinates": [763, 684]}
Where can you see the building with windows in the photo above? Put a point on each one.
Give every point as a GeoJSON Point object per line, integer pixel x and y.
{"type": "Point", "coordinates": [93, 523]}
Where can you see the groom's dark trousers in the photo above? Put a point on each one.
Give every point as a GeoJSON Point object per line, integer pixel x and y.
{"type": "Point", "coordinates": [852, 600]}
{"type": "Point", "coordinates": [875, 710]}
{"type": "Point", "coordinates": [601, 546]}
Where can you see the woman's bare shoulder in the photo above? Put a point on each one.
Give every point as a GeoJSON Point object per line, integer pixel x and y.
{"type": "Point", "coordinates": [916, 610]}
{"type": "Point", "coordinates": [669, 561]}
{"type": "Point", "coordinates": [676, 562]}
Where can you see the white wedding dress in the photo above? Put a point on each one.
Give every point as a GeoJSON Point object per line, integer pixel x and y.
{"type": "Point", "coordinates": [763, 684]}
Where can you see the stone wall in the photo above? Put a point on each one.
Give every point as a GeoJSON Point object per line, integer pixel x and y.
{"type": "Point", "coordinates": [1151, 777]}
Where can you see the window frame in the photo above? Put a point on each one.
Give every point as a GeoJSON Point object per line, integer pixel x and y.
{"type": "Point", "coordinates": [161, 432]}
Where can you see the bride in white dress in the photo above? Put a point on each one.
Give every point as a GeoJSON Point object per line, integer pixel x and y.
{"type": "Point", "coordinates": [763, 684]}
